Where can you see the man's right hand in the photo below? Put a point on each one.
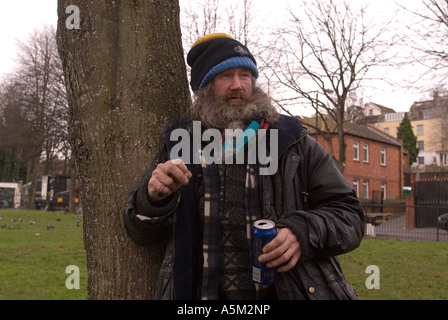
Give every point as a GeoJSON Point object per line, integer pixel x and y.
{"type": "Point", "coordinates": [167, 178]}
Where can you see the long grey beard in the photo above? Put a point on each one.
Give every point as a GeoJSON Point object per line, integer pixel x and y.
{"type": "Point", "coordinates": [224, 117]}
{"type": "Point", "coordinates": [221, 116]}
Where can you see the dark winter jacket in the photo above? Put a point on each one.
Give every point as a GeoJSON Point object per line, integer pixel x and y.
{"type": "Point", "coordinates": [307, 194]}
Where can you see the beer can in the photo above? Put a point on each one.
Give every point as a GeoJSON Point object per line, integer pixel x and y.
{"type": "Point", "coordinates": [263, 231]}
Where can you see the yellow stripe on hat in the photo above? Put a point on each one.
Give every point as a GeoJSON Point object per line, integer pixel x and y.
{"type": "Point", "coordinates": [211, 36]}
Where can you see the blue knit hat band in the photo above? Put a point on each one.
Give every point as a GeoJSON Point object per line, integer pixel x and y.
{"type": "Point", "coordinates": [231, 63]}
{"type": "Point", "coordinates": [215, 53]}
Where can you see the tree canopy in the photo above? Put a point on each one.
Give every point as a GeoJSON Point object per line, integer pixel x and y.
{"type": "Point", "coordinates": [406, 134]}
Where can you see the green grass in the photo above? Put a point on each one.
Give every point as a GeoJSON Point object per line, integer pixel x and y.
{"type": "Point", "coordinates": [33, 261]}
{"type": "Point", "coordinates": [407, 270]}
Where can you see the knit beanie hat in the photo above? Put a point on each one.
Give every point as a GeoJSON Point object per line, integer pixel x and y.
{"type": "Point", "coordinates": [215, 53]}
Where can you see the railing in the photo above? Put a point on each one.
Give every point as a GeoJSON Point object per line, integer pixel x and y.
{"type": "Point", "coordinates": [419, 222]}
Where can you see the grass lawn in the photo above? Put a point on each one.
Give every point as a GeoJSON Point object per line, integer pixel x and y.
{"type": "Point", "coordinates": [407, 270]}
{"type": "Point", "coordinates": [33, 261]}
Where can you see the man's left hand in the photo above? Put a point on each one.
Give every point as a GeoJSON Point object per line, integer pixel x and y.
{"type": "Point", "coordinates": [282, 252]}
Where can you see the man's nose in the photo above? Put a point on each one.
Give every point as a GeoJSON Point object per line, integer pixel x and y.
{"type": "Point", "coordinates": [236, 83]}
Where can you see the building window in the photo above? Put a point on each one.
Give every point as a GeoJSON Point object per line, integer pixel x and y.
{"type": "Point", "coordinates": [420, 129]}
{"type": "Point", "coordinates": [365, 153]}
{"type": "Point", "coordinates": [365, 187]}
{"type": "Point", "coordinates": [383, 189]}
{"type": "Point", "coordinates": [444, 159]}
{"type": "Point", "coordinates": [383, 156]}
{"type": "Point", "coordinates": [421, 160]}
{"type": "Point", "coordinates": [387, 130]}
{"type": "Point", "coordinates": [356, 185]}
{"type": "Point", "coordinates": [356, 151]}
{"type": "Point", "coordinates": [421, 145]}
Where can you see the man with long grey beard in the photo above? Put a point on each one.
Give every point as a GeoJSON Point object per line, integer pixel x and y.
{"type": "Point", "coordinates": [207, 210]}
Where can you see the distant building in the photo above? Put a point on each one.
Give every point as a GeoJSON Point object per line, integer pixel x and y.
{"type": "Point", "coordinates": [429, 120]}
{"type": "Point", "coordinates": [375, 161]}
{"type": "Point", "coordinates": [373, 113]}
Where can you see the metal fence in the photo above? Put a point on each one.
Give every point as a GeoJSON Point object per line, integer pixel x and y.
{"type": "Point", "coordinates": [419, 222]}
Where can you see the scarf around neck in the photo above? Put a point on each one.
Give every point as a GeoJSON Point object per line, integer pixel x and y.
{"type": "Point", "coordinates": [209, 209]}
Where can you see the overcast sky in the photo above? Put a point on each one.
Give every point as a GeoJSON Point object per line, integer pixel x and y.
{"type": "Point", "coordinates": [18, 18]}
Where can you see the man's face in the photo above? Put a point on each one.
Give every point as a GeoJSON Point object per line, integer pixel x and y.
{"type": "Point", "coordinates": [233, 86]}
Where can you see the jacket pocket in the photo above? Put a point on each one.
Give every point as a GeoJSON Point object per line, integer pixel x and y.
{"type": "Point", "coordinates": [320, 279]}
{"type": "Point", "coordinates": [339, 287]}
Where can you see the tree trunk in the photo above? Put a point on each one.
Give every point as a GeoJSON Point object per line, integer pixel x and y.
{"type": "Point", "coordinates": [73, 194]}
{"type": "Point", "coordinates": [341, 135]}
{"type": "Point", "coordinates": [34, 176]}
{"type": "Point", "coordinates": [126, 82]}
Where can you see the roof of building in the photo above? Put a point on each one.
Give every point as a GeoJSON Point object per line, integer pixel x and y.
{"type": "Point", "coordinates": [371, 133]}
{"type": "Point", "coordinates": [383, 109]}
{"type": "Point", "coordinates": [429, 104]}
{"type": "Point", "coordinates": [359, 130]}
{"type": "Point", "coordinates": [429, 109]}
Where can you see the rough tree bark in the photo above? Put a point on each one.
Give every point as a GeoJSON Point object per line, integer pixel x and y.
{"type": "Point", "coordinates": [126, 82]}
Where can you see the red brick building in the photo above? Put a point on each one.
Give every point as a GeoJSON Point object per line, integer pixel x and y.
{"type": "Point", "coordinates": [375, 161]}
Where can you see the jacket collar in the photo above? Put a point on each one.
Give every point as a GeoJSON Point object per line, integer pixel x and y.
{"type": "Point", "coordinates": [289, 131]}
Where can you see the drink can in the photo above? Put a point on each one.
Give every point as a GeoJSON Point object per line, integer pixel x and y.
{"type": "Point", "coordinates": [263, 231]}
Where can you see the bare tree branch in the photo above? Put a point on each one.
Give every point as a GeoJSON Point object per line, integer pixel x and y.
{"type": "Point", "coordinates": [323, 55]}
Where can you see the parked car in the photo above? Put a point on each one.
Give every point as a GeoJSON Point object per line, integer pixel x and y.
{"type": "Point", "coordinates": [442, 221]}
